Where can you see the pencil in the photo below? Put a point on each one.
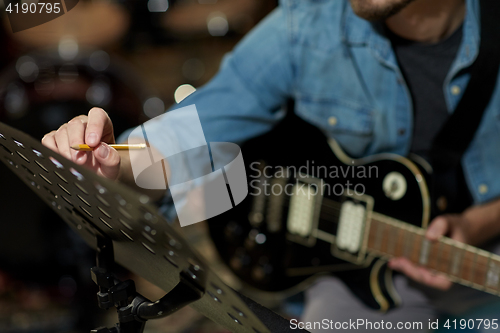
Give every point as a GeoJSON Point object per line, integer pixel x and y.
{"type": "Point", "coordinates": [116, 146]}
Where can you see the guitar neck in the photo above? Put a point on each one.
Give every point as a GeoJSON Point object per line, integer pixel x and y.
{"type": "Point", "coordinates": [462, 263]}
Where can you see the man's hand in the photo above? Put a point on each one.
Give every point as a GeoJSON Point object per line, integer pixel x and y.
{"type": "Point", "coordinates": [95, 130]}
{"type": "Point", "coordinates": [452, 226]}
{"type": "Point", "coordinates": [475, 226]}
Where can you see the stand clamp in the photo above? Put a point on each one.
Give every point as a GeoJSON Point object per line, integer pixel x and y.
{"type": "Point", "coordinates": [134, 309]}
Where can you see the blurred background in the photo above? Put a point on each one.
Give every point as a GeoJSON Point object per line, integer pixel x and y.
{"type": "Point", "coordinates": [134, 58]}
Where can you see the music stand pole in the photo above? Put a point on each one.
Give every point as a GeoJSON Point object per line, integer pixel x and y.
{"type": "Point", "coordinates": [134, 309]}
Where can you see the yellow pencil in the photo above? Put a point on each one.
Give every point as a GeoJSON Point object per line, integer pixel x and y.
{"type": "Point", "coordinates": [116, 146]}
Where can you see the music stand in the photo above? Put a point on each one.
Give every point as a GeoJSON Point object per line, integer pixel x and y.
{"type": "Point", "coordinates": [124, 227]}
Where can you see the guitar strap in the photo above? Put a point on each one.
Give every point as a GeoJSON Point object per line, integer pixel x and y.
{"type": "Point", "coordinates": [455, 136]}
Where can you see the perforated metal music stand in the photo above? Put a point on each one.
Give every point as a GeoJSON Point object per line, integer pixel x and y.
{"type": "Point", "coordinates": [124, 227]}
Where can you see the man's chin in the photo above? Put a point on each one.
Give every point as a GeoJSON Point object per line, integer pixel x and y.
{"type": "Point", "coordinates": [378, 10]}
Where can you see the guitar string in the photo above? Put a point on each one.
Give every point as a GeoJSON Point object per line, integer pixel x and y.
{"type": "Point", "coordinates": [333, 211]}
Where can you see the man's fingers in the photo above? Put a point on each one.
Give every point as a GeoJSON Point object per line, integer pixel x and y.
{"type": "Point", "coordinates": [420, 274]}
{"type": "Point", "coordinates": [91, 129]}
{"type": "Point", "coordinates": [76, 135]}
{"type": "Point", "coordinates": [49, 141]}
{"type": "Point", "coordinates": [440, 226]}
{"type": "Point", "coordinates": [109, 160]}
{"type": "Point", "coordinates": [435, 280]}
{"type": "Point", "coordinates": [99, 128]}
{"type": "Point", "coordinates": [62, 141]}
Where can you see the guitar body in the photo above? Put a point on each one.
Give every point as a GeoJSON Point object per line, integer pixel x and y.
{"type": "Point", "coordinates": [302, 191]}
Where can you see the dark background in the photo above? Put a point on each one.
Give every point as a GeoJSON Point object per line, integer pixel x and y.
{"type": "Point", "coordinates": [133, 58]}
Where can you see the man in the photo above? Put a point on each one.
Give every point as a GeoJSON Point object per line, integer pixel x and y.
{"type": "Point", "coordinates": [378, 76]}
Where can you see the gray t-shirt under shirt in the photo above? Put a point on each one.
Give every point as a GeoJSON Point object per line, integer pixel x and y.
{"type": "Point", "coordinates": [424, 67]}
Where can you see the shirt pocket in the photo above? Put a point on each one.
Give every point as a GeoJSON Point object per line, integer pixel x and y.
{"type": "Point", "coordinates": [350, 124]}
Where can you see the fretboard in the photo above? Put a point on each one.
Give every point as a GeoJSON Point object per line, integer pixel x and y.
{"type": "Point", "coordinates": [462, 263]}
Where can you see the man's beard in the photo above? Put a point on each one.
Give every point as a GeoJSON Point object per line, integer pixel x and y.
{"type": "Point", "coordinates": [371, 11]}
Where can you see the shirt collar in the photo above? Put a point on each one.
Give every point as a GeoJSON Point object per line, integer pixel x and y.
{"type": "Point", "coordinates": [471, 37]}
{"type": "Point", "coordinates": [357, 31]}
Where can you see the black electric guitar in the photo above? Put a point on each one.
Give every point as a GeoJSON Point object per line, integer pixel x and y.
{"type": "Point", "coordinates": [314, 210]}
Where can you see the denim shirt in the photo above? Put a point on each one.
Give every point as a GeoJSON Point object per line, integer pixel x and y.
{"type": "Point", "coordinates": [343, 75]}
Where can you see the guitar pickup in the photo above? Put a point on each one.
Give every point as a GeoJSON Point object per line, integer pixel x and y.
{"type": "Point", "coordinates": [303, 213]}
{"type": "Point", "coordinates": [352, 226]}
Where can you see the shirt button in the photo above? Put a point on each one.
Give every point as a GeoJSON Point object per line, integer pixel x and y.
{"type": "Point", "coordinates": [401, 131]}
{"type": "Point", "coordinates": [442, 203]}
{"type": "Point", "coordinates": [483, 188]}
{"type": "Point", "coordinates": [455, 90]}
{"type": "Point", "coordinates": [332, 121]}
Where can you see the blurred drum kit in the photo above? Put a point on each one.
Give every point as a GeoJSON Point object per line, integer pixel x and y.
{"type": "Point", "coordinates": [73, 58]}
{"type": "Point", "coordinates": [57, 71]}
{"type": "Point", "coordinates": [60, 69]}
{"type": "Point", "coordinates": [66, 69]}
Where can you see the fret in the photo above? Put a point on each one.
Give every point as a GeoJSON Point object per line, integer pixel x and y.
{"type": "Point", "coordinates": [488, 255]}
{"type": "Point", "coordinates": [379, 235]}
{"type": "Point", "coordinates": [384, 240]}
{"type": "Point", "coordinates": [408, 244]}
{"type": "Point", "coordinates": [463, 263]}
{"type": "Point", "coordinates": [424, 252]}
{"type": "Point", "coordinates": [456, 261]}
{"type": "Point", "coordinates": [493, 274]}
{"type": "Point", "coordinates": [372, 234]}
{"type": "Point", "coordinates": [398, 251]}
{"type": "Point", "coordinates": [435, 252]}
{"type": "Point", "coordinates": [481, 268]}
{"type": "Point", "coordinates": [444, 262]}
{"type": "Point", "coordinates": [497, 263]}
{"type": "Point", "coordinates": [417, 244]}
{"type": "Point", "coordinates": [488, 268]}
{"type": "Point", "coordinates": [468, 266]}
{"type": "Point", "coordinates": [393, 240]}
